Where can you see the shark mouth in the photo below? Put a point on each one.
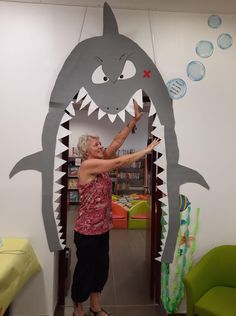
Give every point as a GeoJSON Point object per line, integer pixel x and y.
{"type": "Point", "coordinates": [84, 101]}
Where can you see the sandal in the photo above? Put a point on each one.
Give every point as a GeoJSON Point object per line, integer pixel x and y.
{"type": "Point", "coordinates": [99, 312]}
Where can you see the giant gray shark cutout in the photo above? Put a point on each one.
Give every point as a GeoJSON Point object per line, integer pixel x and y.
{"type": "Point", "coordinates": [107, 72]}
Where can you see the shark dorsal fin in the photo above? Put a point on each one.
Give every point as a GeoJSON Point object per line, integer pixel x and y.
{"type": "Point", "coordinates": [110, 26]}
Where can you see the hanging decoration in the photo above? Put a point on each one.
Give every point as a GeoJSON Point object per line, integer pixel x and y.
{"type": "Point", "coordinates": [186, 246]}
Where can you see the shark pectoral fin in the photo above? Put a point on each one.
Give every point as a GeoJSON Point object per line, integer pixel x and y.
{"type": "Point", "coordinates": [32, 162]}
{"type": "Point", "coordinates": [188, 175]}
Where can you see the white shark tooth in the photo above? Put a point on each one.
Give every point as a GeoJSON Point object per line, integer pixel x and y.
{"type": "Point", "coordinates": [57, 187]}
{"type": "Point", "coordinates": [166, 219]}
{"type": "Point", "coordinates": [121, 114]}
{"type": "Point", "coordinates": [58, 162]}
{"type": "Point", "coordinates": [164, 200]}
{"type": "Point", "coordinates": [85, 102]}
{"type": "Point", "coordinates": [162, 188]}
{"type": "Point", "coordinates": [152, 110]}
{"type": "Point", "coordinates": [55, 205]}
{"type": "Point", "coordinates": [56, 196]}
{"type": "Point", "coordinates": [158, 132]}
{"type": "Point", "coordinates": [59, 229]}
{"type": "Point", "coordinates": [60, 148]}
{"type": "Point", "coordinates": [161, 162]}
{"type": "Point", "coordinates": [164, 233]}
{"type": "Point", "coordinates": [60, 234]}
{"type": "Point", "coordinates": [130, 107]}
{"type": "Point", "coordinates": [162, 176]}
{"type": "Point", "coordinates": [156, 162]}
{"type": "Point", "coordinates": [82, 93]}
{"type": "Point", "coordinates": [58, 221]}
{"type": "Point", "coordinates": [101, 113]}
{"type": "Point", "coordinates": [165, 209]}
{"type": "Point", "coordinates": [66, 117]}
{"type": "Point", "coordinates": [112, 117]}
{"type": "Point", "coordinates": [61, 243]}
{"type": "Point", "coordinates": [158, 259]}
{"type": "Point", "coordinates": [156, 122]}
{"type": "Point", "coordinates": [57, 214]}
{"type": "Point", "coordinates": [58, 175]}
{"type": "Point", "coordinates": [138, 97]}
{"type": "Point", "coordinates": [70, 108]}
{"type": "Point", "coordinates": [62, 132]}
{"type": "Point", "coordinates": [92, 107]}
{"type": "Point", "coordinates": [163, 236]}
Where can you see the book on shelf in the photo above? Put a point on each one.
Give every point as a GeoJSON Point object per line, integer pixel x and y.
{"type": "Point", "coordinates": [77, 161]}
{"type": "Point", "coordinates": [72, 184]}
{"type": "Point", "coordinates": [74, 196]}
{"type": "Point", "coordinates": [73, 171]}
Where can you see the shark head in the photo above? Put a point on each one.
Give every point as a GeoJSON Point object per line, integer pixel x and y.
{"type": "Point", "coordinates": [105, 74]}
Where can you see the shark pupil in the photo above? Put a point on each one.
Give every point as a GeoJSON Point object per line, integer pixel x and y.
{"type": "Point", "coordinates": [121, 76]}
{"type": "Point", "coordinates": [105, 78]}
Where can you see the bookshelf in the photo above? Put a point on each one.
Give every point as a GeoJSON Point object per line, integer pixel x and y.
{"type": "Point", "coordinates": [130, 178]}
{"type": "Point", "coordinates": [73, 168]}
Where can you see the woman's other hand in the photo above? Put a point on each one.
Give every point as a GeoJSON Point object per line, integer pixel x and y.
{"type": "Point", "coordinates": [153, 144]}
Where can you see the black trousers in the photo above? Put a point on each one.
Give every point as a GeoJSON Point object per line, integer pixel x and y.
{"type": "Point", "coordinates": [91, 271]}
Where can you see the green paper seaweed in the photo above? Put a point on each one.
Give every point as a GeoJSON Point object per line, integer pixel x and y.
{"type": "Point", "coordinates": [183, 262]}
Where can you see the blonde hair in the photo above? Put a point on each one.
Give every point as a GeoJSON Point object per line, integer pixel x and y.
{"type": "Point", "coordinates": [83, 144]}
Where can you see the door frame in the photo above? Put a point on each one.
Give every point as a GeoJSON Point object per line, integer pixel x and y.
{"type": "Point", "coordinates": [155, 238]}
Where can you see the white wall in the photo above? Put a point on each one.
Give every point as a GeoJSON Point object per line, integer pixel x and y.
{"type": "Point", "coordinates": [205, 118]}
{"type": "Point", "coordinates": [35, 40]}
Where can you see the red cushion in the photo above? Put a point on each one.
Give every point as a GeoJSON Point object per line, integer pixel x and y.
{"type": "Point", "coordinates": [117, 216]}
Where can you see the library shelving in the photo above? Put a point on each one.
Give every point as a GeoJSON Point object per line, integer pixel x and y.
{"type": "Point", "coordinates": [73, 168]}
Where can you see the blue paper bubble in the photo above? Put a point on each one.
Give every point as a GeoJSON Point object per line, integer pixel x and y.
{"type": "Point", "coordinates": [176, 88]}
{"type": "Point", "coordinates": [224, 41]}
{"type": "Point", "coordinates": [204, 49]}
{"type": "Point", "coordinates": [214, 21]}
{"type": "Point", "coordinates": [196, 70]}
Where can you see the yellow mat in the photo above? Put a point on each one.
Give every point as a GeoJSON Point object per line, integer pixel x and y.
{"type": "Point", "coordinates": [18, 263]}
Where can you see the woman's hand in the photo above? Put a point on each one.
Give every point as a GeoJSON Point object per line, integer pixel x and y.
{"type": "Point", "coordinates": [153, 144]}
{"type": "Point", "coordinates": [137, 113]}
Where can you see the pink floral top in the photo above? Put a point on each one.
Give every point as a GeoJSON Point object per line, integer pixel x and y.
{"type": "Point", "coordinates": [94, 216]}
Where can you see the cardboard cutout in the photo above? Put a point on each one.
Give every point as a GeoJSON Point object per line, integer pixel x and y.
{"type": "Point", "coordinates": [108, 71]}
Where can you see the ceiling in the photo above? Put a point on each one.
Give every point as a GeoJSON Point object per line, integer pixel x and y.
{"type": "Point", "coordinates": [194, 6]}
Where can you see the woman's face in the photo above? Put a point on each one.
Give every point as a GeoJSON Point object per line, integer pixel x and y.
{"type": "Point", "coordinates": [95, 149]}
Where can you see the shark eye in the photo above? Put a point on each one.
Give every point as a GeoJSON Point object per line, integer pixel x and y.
{"type": "Point", "coordinates": [128, 72]}
{"type": "Point", "coordinates": [98, 76]}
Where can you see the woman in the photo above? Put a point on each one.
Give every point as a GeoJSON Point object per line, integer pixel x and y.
{"type": "Point", "coordinates": [94, 220]}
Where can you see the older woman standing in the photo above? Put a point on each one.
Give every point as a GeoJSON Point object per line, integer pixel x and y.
{"type": "Point", "coordinates": [94, 219]}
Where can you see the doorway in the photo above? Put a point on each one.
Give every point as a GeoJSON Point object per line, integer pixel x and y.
{"type": "Point", "coordinates": [134, 280]}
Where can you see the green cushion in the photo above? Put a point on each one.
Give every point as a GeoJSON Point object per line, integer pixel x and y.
{"type": "Point", "coordinates": [218, 301]}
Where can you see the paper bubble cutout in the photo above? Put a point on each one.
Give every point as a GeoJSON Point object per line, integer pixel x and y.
{"type": "Point", "coordinates": [196, 70]}
{"type": "Point", "coordinates": [204, 49]}
{"type": "Point", "coordinates": [224, 41]}
{"type": "Point", "coordinates": [176, 88]}
{"type": "Point", "coordinates": [214, 21]}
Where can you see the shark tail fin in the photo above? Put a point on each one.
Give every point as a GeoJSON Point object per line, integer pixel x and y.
{"type": "Point", "coordinates": [188, 175]}
{"type": "Point", "coordinates": [32, 162]}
